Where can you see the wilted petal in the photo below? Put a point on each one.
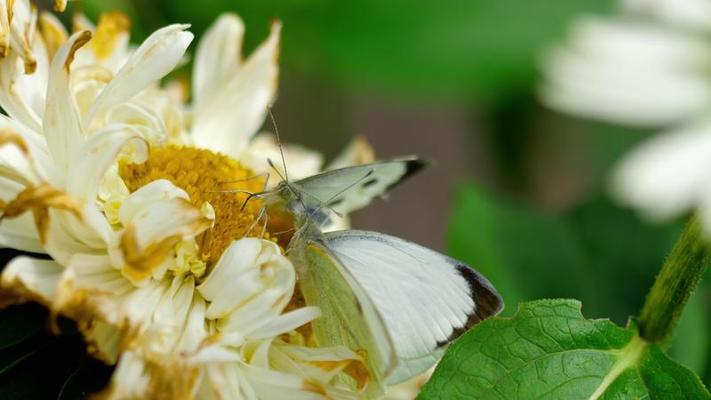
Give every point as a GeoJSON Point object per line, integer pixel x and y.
{"type": "Point", "coordinates": [154, 233]}
{"type": "Point", "coordinates": [226, 121]}
{"type": "Point", "coordinates": [30, 279]}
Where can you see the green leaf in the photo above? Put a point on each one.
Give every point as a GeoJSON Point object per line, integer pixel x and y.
{"type": "Point", "coordinates": [548, 350]}
{"type": "Point", "coordinates": [524, 253]}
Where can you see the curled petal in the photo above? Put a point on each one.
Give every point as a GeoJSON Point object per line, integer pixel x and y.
{"type": "Point", "coordinates": [153, 234]}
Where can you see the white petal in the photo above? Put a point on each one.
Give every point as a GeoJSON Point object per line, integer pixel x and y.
{"type": "Point", "coordinates": [668, 174]}
{"type": "Point", "coordinates": [218, 57]}
{"type": "Point", "coordinates": [36, 145]}
{"type": "Point", "coordinates": [97, 154]}
{"type": "Point", "coordinates": [163, 219]}
{"type": "Point", "coordinates": [61, 124]}
{"type": "Point", "coordinates": [628, 72]}
{"type": "Point", "coordinates": [155, 58]}
{"type": "Point", "coordinates": [250, 271]}
{"type": "Point", "coordinates": [286, 322]}
{"type": "Point", "coordinates": [10, 98]}
{"type": "Point", "coordinates": [300, 161]}
{"type": "Point", "coordinates": [226, 121]}
{"type": "Point", "coordinates": [130, 380]}
{"type": "Point", "coordinates": [195, 330]}
{"type": "Point", "coordinates": [235, 261]}
{"type": "Point", "coordinates": [20, 233]}
{"type": "Point", "coordinates": [691, 14]}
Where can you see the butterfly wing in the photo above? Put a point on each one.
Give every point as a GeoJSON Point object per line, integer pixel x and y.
{"type": "Point", "coordinates": [426, 299]}
{"type": "Point", "coordinates": [348, 317]}
{"type": "Point", "coordinates": [348, 189]}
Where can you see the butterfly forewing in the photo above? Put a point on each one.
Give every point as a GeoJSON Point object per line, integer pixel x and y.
{"type": "Point", "coordinates": [426, 299]}
{"type": "Point", "coordinates": [348, 189]}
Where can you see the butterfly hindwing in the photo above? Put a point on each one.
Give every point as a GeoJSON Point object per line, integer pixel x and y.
{"type": "Point", "coordinates": [350, 188]}
{"type": "Point", "coordinates": [348, 317]}
{"type": "Point", "coordinates": [426, 299]}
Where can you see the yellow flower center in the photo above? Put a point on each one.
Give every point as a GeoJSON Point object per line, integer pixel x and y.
{"type": "Point", "coordinates": [207, 177]}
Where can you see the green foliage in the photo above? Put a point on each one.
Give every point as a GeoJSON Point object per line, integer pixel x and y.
{"type": "Point", "coordinates": [482, 49]}
{"type": "Point", "coordinates": [549, 351]}
{"type": "Point", "coordinates": [596, 252]}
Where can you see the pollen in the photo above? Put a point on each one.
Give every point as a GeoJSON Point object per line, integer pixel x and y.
{"type": "Point", "coordinates": [210, 178]}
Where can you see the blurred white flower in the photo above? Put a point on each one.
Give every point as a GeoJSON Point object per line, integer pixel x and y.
{"type": "Point", "coordinates": [648, 66]}
{"type": "Point", "coordinates": [634, 68]}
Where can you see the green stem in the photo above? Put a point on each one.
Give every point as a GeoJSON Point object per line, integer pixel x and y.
{"type": "Point", "coordinates": [680, 274]}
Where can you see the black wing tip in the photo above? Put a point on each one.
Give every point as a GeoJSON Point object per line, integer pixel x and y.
{"type": "Point", "coordinates": [413, 165]}
{"type": "Point", "coordinates": [487, 301]}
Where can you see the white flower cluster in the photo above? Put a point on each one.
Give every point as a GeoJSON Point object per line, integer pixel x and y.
{"type": "Point", "coordinates": [118, 179]}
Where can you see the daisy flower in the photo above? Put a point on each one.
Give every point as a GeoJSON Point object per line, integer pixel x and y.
{"type": "Point", "coordinates": [646, 66]}
{"type": "Point", "coordinates": [140, 200]}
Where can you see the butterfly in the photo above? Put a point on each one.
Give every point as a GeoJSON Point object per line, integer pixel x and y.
{"type": "Point", "coordinates": [396, 303]}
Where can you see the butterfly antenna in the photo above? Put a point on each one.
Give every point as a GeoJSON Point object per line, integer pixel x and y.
{"type": "Point", "coordinates": [278, 138]}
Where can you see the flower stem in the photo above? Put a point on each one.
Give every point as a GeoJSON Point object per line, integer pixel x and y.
{"type": "Point", "coordinates": [680, 274]}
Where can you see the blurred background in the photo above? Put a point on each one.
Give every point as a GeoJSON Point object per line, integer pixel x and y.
{"type": "Point", "coordinates": [517, 190]}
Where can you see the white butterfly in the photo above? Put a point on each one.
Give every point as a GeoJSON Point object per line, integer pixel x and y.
{"type": "Point", "coordinates": [396, 303]}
